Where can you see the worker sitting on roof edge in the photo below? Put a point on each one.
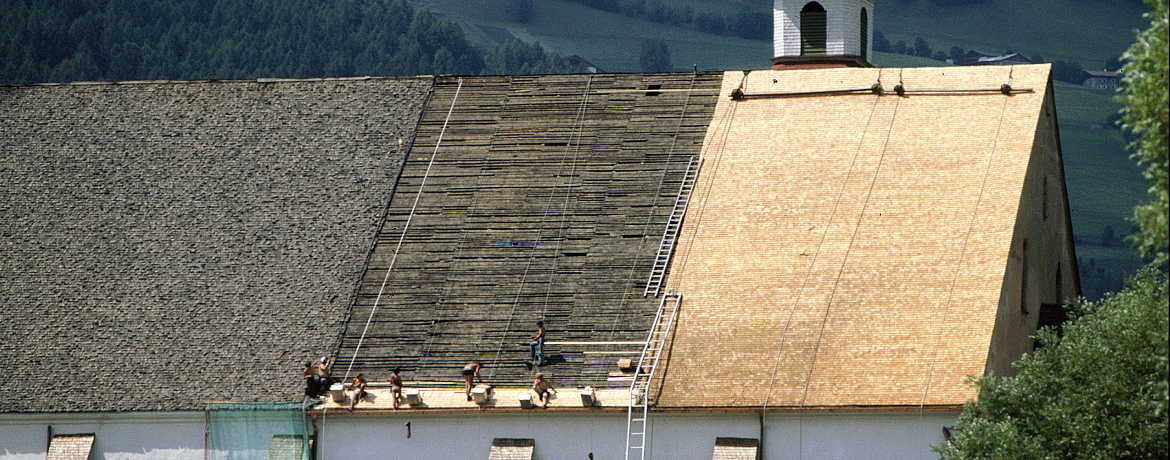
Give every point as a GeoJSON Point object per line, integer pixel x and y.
{"type": "Point", "coordinates": [357, 390]}
{"type": "Point", "coordinates": [322, 379]}
{"type": "Point", "coordinates": [542, 387]}
{"type": "Point", "coordinates": [310, 383]}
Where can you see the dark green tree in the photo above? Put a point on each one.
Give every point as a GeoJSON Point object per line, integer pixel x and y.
{"type": "Point", "coordinates": [518, 56]}
{"type": "Point", "coordinates": [1097, 391]}
{"type": "Point", "coordinates": [73, 40]}
{"type": "Point", "coordinates": [1145, 115]}
{"type": "Point", "coordinates": [1113, 63]}
{"type": "Point", "coordinates": [1071, 72]}
{"type": "Point", "coordinates": [710, 23]}
{"type": "Point", "coordinates": [1108, 236]}
{"type": "Point", "coordinates": [922, 48]}
{"type": "Point", "coordinates": [881, 43]}
{"type": "Point", "coordinates": [752, 25]}
{"type": "Point", "coordinates": [520, 10]}
{"type": "Point", "coordinates": [900, 47]}
{"type": "Point", "coordinates": [655, 56]}
{"type": "Point", "coordinates": [957, 54]}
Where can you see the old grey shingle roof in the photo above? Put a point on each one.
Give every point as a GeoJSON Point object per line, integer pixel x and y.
{"type": "Point", "coordinates": [165, 245]}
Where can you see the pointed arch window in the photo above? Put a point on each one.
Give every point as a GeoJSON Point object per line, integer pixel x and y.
{"type": "Point", "coordinates": [814, 26]}
{"type": "Point", "coordinates": [864, 35]}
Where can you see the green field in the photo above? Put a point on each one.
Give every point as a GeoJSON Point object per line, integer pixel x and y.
{"type": "Point", "coordinates": [609, 40]}
{"type": "Point", "coordinates": [1104, 184]}
{"type": "Point", "coordinates": [1084, 31]}
{"type": "Point", "coordinates": [1088, 32]}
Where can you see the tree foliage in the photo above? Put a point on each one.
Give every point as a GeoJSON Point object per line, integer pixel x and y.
{"type": "Point", "coordinates": [749, 20]}
{"type": "Point", "coordinates": [1145, 115]}
{"type": "Point", "coordinates": [73, 40]}
{"type": "Point", "coordinates": [519, 57]}
{"type": "Point", "coordinates": [520, 10]}
{"type": "Point", "coordinates": [655, 56]}
{"type": "Point", "coordinates": [922, 47]}
{"type": "Point", "coordinates": [881, 44]}
{"type": "Point", "coordinates": [1069, 71]}
{"type": "Point", "coordinates": [1099, 390]}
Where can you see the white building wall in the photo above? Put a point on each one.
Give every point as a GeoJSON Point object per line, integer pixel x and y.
{"type": "Point", "coordinates": [154, 436]}
{"type": "Point", "coordinates": [575, 436]}
{"type": "Point", "coordinates": [786, 27]}
{"type": "Point", "coordinates": [844, 26]}
{"type": "Point", "coordinates": [179, 436]}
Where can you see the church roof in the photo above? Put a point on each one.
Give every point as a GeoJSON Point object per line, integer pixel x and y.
{"type": "Point", "coordinates": [169, 244]}
{"type": "Point", "coordinates": [849, 250]}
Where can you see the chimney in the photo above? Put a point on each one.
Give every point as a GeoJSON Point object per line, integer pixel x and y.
{"type": "Point", "coordinates": [822, 33]}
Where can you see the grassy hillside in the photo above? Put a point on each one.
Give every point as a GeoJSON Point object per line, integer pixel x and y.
{"type": "Point", "coordinates": [1103, 183]}
{"type": "Point", "coordinates": [612, 41]}
{"type": "Point", "coordinates": [609, 40]}
{"type": "Point", "coordinates": [1084, 31]}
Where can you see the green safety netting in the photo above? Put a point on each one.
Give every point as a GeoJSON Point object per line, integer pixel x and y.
{"type": "Point", "coordinates": [257, 431]}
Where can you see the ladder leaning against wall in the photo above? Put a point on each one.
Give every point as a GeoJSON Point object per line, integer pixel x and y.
{"type": "Point", "coordinates": [638, 411]}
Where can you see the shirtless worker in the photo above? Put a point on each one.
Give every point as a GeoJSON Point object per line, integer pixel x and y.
{"type": "Point", "coordinates": [470, 371]}
{"type": "Point", "coordinates": [542, 387]}
{"type": "Point", "coordinates": [323, 379]}
{"type": "Point", "coordinates": [536, 346]}
{"type": "Point", "coordinates": [357, 391]}
{"type": "Point", "coordinates": [311, 390]}
{"type": "Point", "coordinates": [395, 387]}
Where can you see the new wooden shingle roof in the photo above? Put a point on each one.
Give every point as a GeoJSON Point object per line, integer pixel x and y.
{"type": "Point", "coordinates": [168, 244]}
{"type": "Point", "coordinates": [850, 250]}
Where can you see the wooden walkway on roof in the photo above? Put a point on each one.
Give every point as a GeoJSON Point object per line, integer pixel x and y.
{"type": "Point", "coordinates": [545, 201]}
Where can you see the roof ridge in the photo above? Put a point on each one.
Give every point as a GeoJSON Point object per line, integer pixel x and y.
{"type": "Point", "coordinates": [214, 80]}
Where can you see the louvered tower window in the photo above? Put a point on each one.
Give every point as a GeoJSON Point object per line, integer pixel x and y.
{"type": "Point", "coordinates": [864, 35]}
{"type": "Point", "coordinates": [813, 30]}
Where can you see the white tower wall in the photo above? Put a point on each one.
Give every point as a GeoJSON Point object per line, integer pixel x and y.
{"type": "Point", "coordinates": [844, 27]}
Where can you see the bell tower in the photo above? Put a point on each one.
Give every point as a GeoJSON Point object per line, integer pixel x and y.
{"type": "Point", "coordinates": [822, 33]}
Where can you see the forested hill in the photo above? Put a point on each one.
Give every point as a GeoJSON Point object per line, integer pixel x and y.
{"type": "Point", "coordinates": [109, 40]}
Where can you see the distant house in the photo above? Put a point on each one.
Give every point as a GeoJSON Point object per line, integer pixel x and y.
{"type": "Point", "coordinates": [581, 63]}
{"type": "Point", "coordinates": [1101, 79]}
{"type": "Point", "coordinates": [981, 58]}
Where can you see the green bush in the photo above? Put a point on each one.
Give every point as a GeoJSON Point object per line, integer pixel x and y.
{"type": "Point", "coordinates": [1097, 391]}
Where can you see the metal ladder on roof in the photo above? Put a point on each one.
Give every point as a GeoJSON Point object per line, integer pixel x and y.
{"type": "Point", "coordinates": [638, 411]}
{"type": "Point", "coordinates": [670, 233]}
